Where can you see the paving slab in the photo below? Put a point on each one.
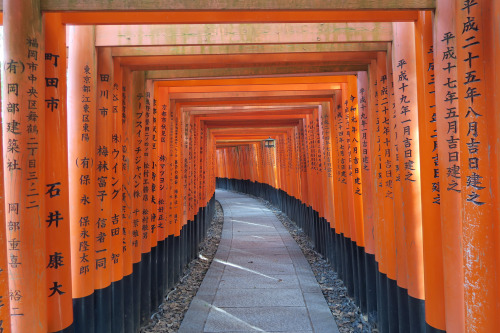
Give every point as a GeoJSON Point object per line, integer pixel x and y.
{"type": "Point", "coordinates": [259, 280]}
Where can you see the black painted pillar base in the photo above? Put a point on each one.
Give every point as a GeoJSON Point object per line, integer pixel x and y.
{"type": "Point", "coordinates": [117, 309]}
{"type": "Point", "coordinates": [83, 314]}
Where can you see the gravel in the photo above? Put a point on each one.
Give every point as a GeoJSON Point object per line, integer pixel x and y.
{"type": "Point", "coordinates": [170, 313]}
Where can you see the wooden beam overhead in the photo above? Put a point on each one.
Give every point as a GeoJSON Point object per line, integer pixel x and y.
{"type": "Point", "coordinates": [260, 16]}
{"type": "Point", "coordinates": [261, 95]}
{"type": "Point", "coordinates": [254, 81]}
{"type": "Point", "coordinates": [247, 60]}
{"type": "Point", "coordinates": [210, 73]}
{"type": "Point", "coordinates": [177, 50]}
{"type": "Point", "coordinates": [170, 5]}
{"type": "Point", "coordinates": [248, 33]}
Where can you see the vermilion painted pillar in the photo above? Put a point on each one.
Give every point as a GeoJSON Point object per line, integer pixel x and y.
{"type": "Point", "coordinates": [365, 115]}
{"type": "Point", "coordinates": [138, 223]}
{"type": "Point", "coordinates": [150, 242]}
{"type": "Point", "coordinates": [374, 134]}
{"type": "Point", "coordinates": [117, 235]}
{"type": "Point", "coordinates": [405, 89]}
{"type": "Point", "coordinates": [448, 135]}
{"type": "Point", "coordinates": [355, 186]}
{"type": "Point", "coordinates": [158, 287]}
{"type": "Point", "coordinates": [326, 144]}
{"type": "Point", "coordinates": [397, 166]}
{"type": "Point", "coordinates": [127, 197]}
{"type": "Point", "coordinates": [386, 196]}
{"type": "Point", "coordinates": [4, 276]}
{"type": "Point", "coordinates": [339, 182]}
{"type": "Point", "coordinates": [59, 305]}
{"type": "Point", "coordinates": [104, 231]}
{"type": "Point", "coordinates": [24, 164]}
{"type": "Point", "coordinates": [82, 73]}
{"type": "Point", "coordinates": [161, 196]}
{"type": "Point", "coordinates": [478, 213]}
{"type": "Point", "coordinates": [429, 175]}
{"type": "Point", "coordinates": [492, 27]}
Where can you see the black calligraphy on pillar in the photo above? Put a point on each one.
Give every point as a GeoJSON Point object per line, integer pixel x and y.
{"type": "Point", "coordinates": [406, 120]}
{"type": "Point", "coordinates": [473, 99]}
{"type": "Point", "coordinates": [451, 117]}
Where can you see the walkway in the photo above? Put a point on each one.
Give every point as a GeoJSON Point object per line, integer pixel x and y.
{"type": "Point", "coordinates": [259, 280]}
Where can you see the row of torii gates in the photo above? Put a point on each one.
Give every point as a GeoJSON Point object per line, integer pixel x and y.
{"type": "Point", "coordinates": [117, 117]}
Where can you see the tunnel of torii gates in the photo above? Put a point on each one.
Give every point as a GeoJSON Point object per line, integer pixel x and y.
{"type": "Point", "coordinates": [120, 118]}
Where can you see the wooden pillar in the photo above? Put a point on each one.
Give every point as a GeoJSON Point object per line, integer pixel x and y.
{"type": "Point", "coordinates": [103, 190]}
{"type": "Point", "coordinates": [4, 268]}
{"type": "Point", "coordinates": [405, 89]}
{"type": "Point", "coordinates": [117, 234]}
{"type": "Point", "coordinates": [24, 165]}
{"type": "Point", "coordinates": [429, 175]}
{"type": "Point", "coordinates": [397, 166]}
{"type": "Point", "coordinates": [365, 115]}
{"type": "Point", "coordinates": [138, 223]}
{"type": "Point", "coordinates": [82, 73]}
{"type": "Point", "coordinates": [376, 172]}
{"type": "Point", "coordinates": [157, 232]}
{"type": "Point", "coordinates": [164, 225]}
{"type": "Point", "coordinates": [150, 242]}
{"type": "Point", "coordinates": [492, 27]}
{"type": "Point", "coordinates": [447, 125]}
{"type": "Point", "coordinates": [478, 214]}
{"type": "Point", "coordinates": [59, 305]}
{"type": "Point", "coordinates": [128, 168]}
{"type": "Point", "coordinates": [386, 188]}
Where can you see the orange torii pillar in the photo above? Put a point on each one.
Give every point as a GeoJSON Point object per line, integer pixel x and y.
{"type": "Point", "coordinates": [139, 221]}
{"type": "Point", "coordinates": [324, 198]}
{"type": "Point", "coordinates": [24, 165]}
{"type": "Point", "coordinates": [103, 190]}
{"type": "Point", "coordinates": [387, 193]}
{"type": "Point", "coordinates": [82, 73]}
{"type": "Point", "coordinates": [174, 190]}
{"type": "Point", "coordinates": [383, 192]}
{"type": "Point", "coordinates": [149, 207]}
{"type": "Point", "coordinates": [326, 147]}
{"type": "Point", "coordinates": [357, 185]}
{"type": "Point", "coordinates": [397, 166]}
{"type": "Point", "coordinates": [184, 184]}
{"type": "Point", "coordinates": [348, 197]}
{"type": "Point", "coordinates": [339, 183]}
{"type": "Point", "coordinates": [477, 206]}
{"type": "Point", "coordinates": [127, 198]}
{"type": "Point", "coordinates": [365, 114]}
{"type": "Point", "coordinates": [429, 175]}
{"type": "Point", "coordinates": [59, 305]}
{"type": "Point", "coordinates": [376, 173]}
{"type": "Point", "coordinates": [4, 277]}
{"type": "Point", "coordinates": [158, 287]}
{"type": "Point", "coordinates": [117, 235]}
{"type": "Point", "coordinates": [173, 179]}
{"type": "Point", "coordinates": [447, 125]}
{"type": "Point", "coordinates": [164, 224]}
{"type": "Point", "coordinates": [187, 184]}
{"type": "Point", "coordinates": [492, 56]}
{"type": "Point", "coordinates": [405, 90]}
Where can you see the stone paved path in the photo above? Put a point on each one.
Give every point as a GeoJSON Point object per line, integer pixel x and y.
{"type": "Point", "coordinates": [259, 280]}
